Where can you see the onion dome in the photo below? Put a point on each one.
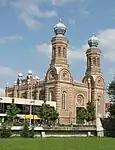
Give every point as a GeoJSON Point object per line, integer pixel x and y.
{"type": "Point", "coordinates": [20, 75]}
{"type": "Point", "coordinates": [93, 41]}
{"type": "Point", "coordinates": [60, 28]}
{"type": "Point", "coordinates": [29, 72]}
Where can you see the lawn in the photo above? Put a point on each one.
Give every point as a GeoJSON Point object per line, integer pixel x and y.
{"type": "Point", "coordinates": [78, 143]}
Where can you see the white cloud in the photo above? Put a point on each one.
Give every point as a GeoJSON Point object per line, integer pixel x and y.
{"type": "Point", "coordinates": [2, 92]}
{"type": "Point", "coordinates": [77, 53]}
{"type": "Point", "coordinates": [6, 71]}
{"type": "Point", "coordinates": [107, 43]}
{"type": "Point", "coordinates": [46, 48]}
{"type": "Point", "coordinates": [8, 39]}
{"type": "Point", "coordinates": [73, 52]}
{"type": "Point", "coordinates": [30, 12]}
{"type": "Point", "coordinates": [111, 72]}
{"type": "Point", "coordinates": [60, 2]}
{"type": "Point", "coordinates": [107, 46]}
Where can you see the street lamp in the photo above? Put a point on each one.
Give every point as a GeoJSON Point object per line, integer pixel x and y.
{"type": "Point", "coordinates": [32, 102]}
{"type": "Point", "coordinates": [20, 75]}
{"type": "Point", "coordinates": [30, 83]}
{"type": "Point", "coordinates": [7, 84]}
{"type": "Point", "coordinates": [6, 89]}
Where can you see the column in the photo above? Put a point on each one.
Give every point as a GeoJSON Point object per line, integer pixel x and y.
{"type": "Point", "coordinates": [6, 92]}
{"type": "Point", "coordinates": [89, 89]}
{"type": "Point", "coordinates": [57, 96]}
{"type": "Point", "coordinates": [15, 91]}
{"type": "Point", "coordinates": [46, 94]}
{"type": "Point", "coordinates": [37, 93]}
{"type": "Point", "coordinates": [28, 92]}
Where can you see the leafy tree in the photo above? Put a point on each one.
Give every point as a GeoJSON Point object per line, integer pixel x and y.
{"type": "Point", "coordinates": [81, 115]}
{"type": "Point", "coordinates": [111, 110]}
{"type": "Point", "coordinates": [47, 114]}
{"type": "Point", "coordinates": [12, 111]}
{"type": "Point", "coordinates": [111, 90]}
{"type": "Point", "coordinates": [90, 112]}
{"type": "Point", "coordinates": [5, 131]}
{"type": "Point", "coordinates": [111, 93]}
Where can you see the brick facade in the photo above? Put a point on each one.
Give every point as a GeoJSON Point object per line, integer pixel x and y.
{"type": "Point", "coordinates": [60, 87]}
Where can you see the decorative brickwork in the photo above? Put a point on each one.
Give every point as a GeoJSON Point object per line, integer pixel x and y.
{"type": "Point", "coordinates": [58, 84]}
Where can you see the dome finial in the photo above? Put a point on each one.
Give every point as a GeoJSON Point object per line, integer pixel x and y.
{"type": "Point", "coordinates": [60, 28]}
{"type": "Point", "coordinates": [60, 20]}
{"type": "Point", "coordinates": [93, 42]}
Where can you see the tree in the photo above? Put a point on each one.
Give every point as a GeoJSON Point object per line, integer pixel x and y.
{"type": "Point", "coordinates": [90, 112]}
{"type": "Point", "coordinates": [47, 114]}
{"type": "Point", "coordinates": [12, 111]}
{"type": "Point", "coordinates": [111, 111]}
{"type": "Point", "coordinates": [111, 93]}
{"type": "Point", "coordinates": [81, 115]}
{"type": "Point", "coordinates": [111, 90]}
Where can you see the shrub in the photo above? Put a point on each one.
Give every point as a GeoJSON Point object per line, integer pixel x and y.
{"type": "Point", "coordinates": [26, 132]}
{"type": "Point", "coordinates": [31, 132]}
{"type": "Point", "coordinates": [5, 131]}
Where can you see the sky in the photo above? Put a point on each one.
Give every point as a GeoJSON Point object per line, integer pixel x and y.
{"type": "Point", "coordinates": [26, 30]}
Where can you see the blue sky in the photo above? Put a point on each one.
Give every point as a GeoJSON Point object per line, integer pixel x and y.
{"type": "Point", "coordinates": [26, 28]}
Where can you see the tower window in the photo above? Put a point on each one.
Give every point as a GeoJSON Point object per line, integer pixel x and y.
{"type": "Point", "coordinates": [54, 52]}
{"type": "Point", "coordinates": [98, 62]}
{"type": "Point", "coordinates": [59, 51]}
{"type": "Point", "coordinates": [94, 61]}
{"type": "Point", "coordinates": [51, 96]}
{"type": "Point", "coordinates": [64, 54]}
{"type": "Point", "coordinates": [64, 97]}
{"type": "Point", "coordinates": [89, 62]}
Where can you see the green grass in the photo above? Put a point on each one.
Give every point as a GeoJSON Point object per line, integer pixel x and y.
{"type": "Point", "coordinates": [78, 143]}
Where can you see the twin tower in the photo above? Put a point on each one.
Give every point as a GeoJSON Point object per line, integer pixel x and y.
{"type": "Point", "coordinates": [59, 85]}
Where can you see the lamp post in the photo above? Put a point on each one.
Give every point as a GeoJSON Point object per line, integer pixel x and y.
{"type": "Point", "coordinates": [1, 109]}
{"type": "Point", "coordinates": [20, 75]}
{"type": "Point", "coordinates": [32, 102]}
{"type": "Point", "coordinates": [6, 87]}
{"type": "Point", "coordinates": [30, 83]}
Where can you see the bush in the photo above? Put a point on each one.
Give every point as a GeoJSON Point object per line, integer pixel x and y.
{"type": "Point", "coordinates": [5, 131]}
{"type": "Point", "coordinates": [31, 132]}
{"type": "Point", "coordinates": [26, 132]}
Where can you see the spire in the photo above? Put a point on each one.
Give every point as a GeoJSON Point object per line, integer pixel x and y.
{"type": "Point", "coordinates": [60, 20]}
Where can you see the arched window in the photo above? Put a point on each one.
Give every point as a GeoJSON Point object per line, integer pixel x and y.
{"type": "Point", "coordinates": [64, 97]}
{"type": "Point", "coordinates": [80, 100]}
{"type": "Point", "coordinates": [89, 61]}
{"type": "Point", "coordinates": [54, 52]}
{"type": "Point", "coordinates": [42, 94]}
{"type": "Point", "coordinates": [51, 96]}
{"type": "Point", "coordinates": [98, 62]}
{"type": "Point", "coordinates": [94, 61]}
{"type": "Point", "coordinates": [64, 53]}
{"type": "Point", "coordinates": [59, 51]}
